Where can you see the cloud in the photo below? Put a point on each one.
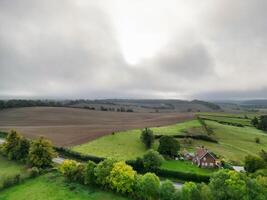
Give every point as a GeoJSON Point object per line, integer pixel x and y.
{"type": "Point", "coordinates": [72, 49]}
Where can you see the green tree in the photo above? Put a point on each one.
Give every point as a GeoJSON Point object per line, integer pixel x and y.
{"type": "Point", "coordinates": [11, 146]}
{"type": "Point", "coordinates": [253, 163]}
{"type": "Point", "coordinates": [147, 137]}
{"type": "Point", "coordinates": [190, 191]}
{"type": "Point", "coordinates": [23, 149]}
{"type": "Point", "coordinates": [89, 175]}
{"type": "Point", "coordinates": [168, 146]}
{"type": "Point", "coordinates": [205, 192]}
{"type": "Point", "coordinates": [122, 177]}
{"type": "Point", "coordinates": [167, 190]}
{"type": "Point", "coordinates": [102, 172]}
{"type": "Point", "coordinates": [263, 123]}
{"type": "Point", "coordinates": [149, 185]}
{"type": "Point", "coordinates": [152, 160]}
{"type": "Point", "coordinates": [263, 155]}
{"type": "Point", "coordinates": [255, 122]}
{"type": "Point", "coordinates": [257, 189]}
{"type": "Point", "coordinates": [228, 185]}
{"type": "Point", "coordinates": [41, 153]}
{"type": "Point", "coordinates": [67, 168]}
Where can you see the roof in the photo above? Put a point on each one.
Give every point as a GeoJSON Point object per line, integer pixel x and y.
{"type": "Point", "coordinates": [201, 152]}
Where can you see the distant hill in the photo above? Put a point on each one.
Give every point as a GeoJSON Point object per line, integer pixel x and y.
{"type": "Point", "coordinates": [120, 105]}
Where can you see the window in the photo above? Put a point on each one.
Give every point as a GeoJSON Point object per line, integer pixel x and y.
{"type": "Point", "coordinates": [204, 159]}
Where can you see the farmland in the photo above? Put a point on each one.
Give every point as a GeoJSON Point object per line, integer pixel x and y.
{"type": "Point", "coordinates": [73, 126]}
{"type": "Point", "coordinates": [126, 144]}
{"type": "Point", "coordinates": [53, 187]}
{"type": "Point", "coordinates": [234, 142]}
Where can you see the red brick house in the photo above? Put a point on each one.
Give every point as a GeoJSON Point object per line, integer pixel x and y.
{"type": "Point", "coordinates": [205, 159]}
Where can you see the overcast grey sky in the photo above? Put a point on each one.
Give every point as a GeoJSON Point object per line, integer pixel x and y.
{"type": "Point", "coordinates": [209, 49]}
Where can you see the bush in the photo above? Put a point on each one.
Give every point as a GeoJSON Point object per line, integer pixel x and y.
{"type": "Point", "coordinates": [183, 175]}
{"type": "Point", "coordinates": [10, 181]}
{"type": "Point", "coordinates": [67, 168]}
{"type": "Point", "coordinates": [190, 191]}
{"type": "Point", "coordinates": [34, 172]}
{"type": "Point", "coordinates": [168, 146]}
{"type": "Point", "coordinates": [122, 177]}
{"type": "Point", "coordinates": [152, 160]}
{"type": "Point", "coordinates": [253, 163]}
{"type": "Point", "coordinates": [149, 186]}
{"type": "Point", "coordinates": [89, 175]}
{"type": "Point", "coordinates": [257, 140]}
{"type": "Point", "coordinates": [167, 190]}
{"type": "Point", "coordinates": [76, 155]}
{"type": "Point", "coordinates": [147, 137]}
{"type": "Point", "coordinates": [41, 153]}
{"type": "Point", "coordinates": [23, 149]}
{"type": "Point", "coordinates": [102, 172]}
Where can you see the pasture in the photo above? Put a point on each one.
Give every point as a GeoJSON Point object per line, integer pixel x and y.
{"type": "Point", "coordinates": [52, 186]}
{"type": "Point", "coordinates": [234, 142]}
{"type": "Point", "coordinates": [126, 144]}
{"type": "Point", "coordinates": [73, 126]}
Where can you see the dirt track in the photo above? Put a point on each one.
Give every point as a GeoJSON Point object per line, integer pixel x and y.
{"type": "Point", "coordinates": [72, 126]}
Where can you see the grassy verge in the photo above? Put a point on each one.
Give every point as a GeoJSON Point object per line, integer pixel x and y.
{"type": "Point", "coordinates": [53, 187]}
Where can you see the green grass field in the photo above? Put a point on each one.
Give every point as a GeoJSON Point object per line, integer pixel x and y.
{"type": "Point", "coordinates": [53, 187]}
{"type": "Point", "coordinates": [126, 145]}
{"type": "Point", "coordinates": [244, 122]}
{"type": "Point", "coordinates": [11, 168]}
{"type": "Point", "coordinates": [185, 166]}
{"type": "Point", "coordinates": [234, 142]}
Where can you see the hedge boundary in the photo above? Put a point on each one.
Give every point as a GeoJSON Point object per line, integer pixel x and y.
{"type": "Point", "coordinates": [65, 152]}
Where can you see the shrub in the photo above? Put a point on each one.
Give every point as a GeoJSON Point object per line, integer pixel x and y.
{"type": "Point", "coordinates": [67, 168]}
{"type": "Point", "coordinates": [23, 149]}
{"type": "Point", "coordinates": [183, 175]}
{"type": "Point", "coordinates": [168, 146]}
{"type": "Point", "coordinates": [263, 155]}
{"type": "Point", "coordinates": [167, 190]}
{"type": "Point", "coordinates": [257, 140]}
{"type": "Point", "coordinates": [10, 181]}
{"type": "Point", "coordinates": [253, 163]}
{"type": "Point", "coordinates": [152, 160]}
{"type": "Point", "coordinates": [76, 155]}
{"type": "Point", "coordinates": [102, 172]}
{"type": "Point", "coordinates": [147, 137]}
{"type": "Point", "coordinates": [89, 176]}
{"type": "Point", "coordinates": [41, 153]}
{"type": "Point", "coordinates": [190, 191]}
{"type": "Point", "coordinates": [34, 172]}
{"type": "Point", "coordinates": [149, 186]}
{"type": "Point", "coordinates": [122, 177]}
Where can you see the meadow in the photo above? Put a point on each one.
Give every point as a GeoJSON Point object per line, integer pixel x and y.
{"type": "Point", "coordinates": [126, 145]}
{"type": "Point", "coordinates": [52, 186]}
{"type": "Point", "coordinates": [234, 142]}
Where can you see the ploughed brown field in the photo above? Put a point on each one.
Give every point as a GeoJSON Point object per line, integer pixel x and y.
{"type": "Point", "coordinates": [73, 126]}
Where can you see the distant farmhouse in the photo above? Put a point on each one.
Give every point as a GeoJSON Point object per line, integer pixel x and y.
{"type": "Point", "coordinates": [202, 158]}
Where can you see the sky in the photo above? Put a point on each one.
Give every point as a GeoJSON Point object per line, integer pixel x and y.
{"type": "Point", "coordinates": [174, 49]}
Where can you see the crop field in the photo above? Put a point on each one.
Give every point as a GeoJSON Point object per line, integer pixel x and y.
{"type": "Point", "coordinates": [126, 144]}
{"type": "Point", "coordinates": [53, 187]}
{"type": "Point", "coordinates": [185, 166]}
{"type": "Point", "coordinates": [73, 126]}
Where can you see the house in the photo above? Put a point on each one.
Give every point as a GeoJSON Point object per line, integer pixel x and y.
{"type": "Point", "coordinates": [205, 159]}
